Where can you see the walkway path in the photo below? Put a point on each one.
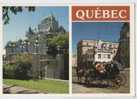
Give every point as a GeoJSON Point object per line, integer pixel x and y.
{"type": "Point", "coordinates": [18, 90]}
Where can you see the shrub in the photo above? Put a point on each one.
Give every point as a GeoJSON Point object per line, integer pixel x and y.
{"type": "Point", "coordinates": [19, 70]}
{"type": "Point", "coordinates": [23, 70]}
{"type": "Point", "coordinates": [8, 71]}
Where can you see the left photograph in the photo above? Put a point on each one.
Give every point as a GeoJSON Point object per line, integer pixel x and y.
{"type": "Point", "coordinates": [36, 49]}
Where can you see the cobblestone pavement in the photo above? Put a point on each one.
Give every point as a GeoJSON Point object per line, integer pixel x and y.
{"type": "Point", "coordinates": [18, 90]}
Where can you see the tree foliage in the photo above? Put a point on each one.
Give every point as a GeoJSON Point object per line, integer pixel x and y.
{"type": "Point", "coordinates": [61, 41]}
{"type": "Point", "coordinates": [123, 53]}
{"type": "Point", "coordinates": [21, 69]}
{"type": "Point", "coordinates": [8, 71]}
{"type": "Point", "coordinates": [7, 10]}
{"type": "Point", "coordinates": [24, 57]}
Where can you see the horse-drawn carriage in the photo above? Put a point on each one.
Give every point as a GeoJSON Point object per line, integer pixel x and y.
{"type": "Point", "coordinates": [108, 72]}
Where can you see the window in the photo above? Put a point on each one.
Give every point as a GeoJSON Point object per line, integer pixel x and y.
{"type": "Point", "coordinates": [90, 56]}
{"type": "Point", "coordinates": [110, 46]}
{"type": "Point", "coordinates": [108, 56]}
{"type": "Point", "coordinates": [87, 44]}
{"type": "Point", "coordinates": [105, 56]}
{"type": "Point", "coordinates": [99, 56]}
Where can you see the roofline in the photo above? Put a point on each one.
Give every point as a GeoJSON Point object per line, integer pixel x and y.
{"type": "Point", "coordinates": [96, 40]}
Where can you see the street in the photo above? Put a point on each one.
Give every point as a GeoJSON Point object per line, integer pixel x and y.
{"type": "Point", "coordinates": [82, 88]}
{"type": "Point", "coordinates": [77, 88]}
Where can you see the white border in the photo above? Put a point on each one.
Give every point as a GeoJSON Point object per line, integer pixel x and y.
{"type": "Point", "coordinates": [13, 3]}
{"type": "Point", "coordinates": [1, 49]}
{"type": "Point", "coordinates": [70, 50]}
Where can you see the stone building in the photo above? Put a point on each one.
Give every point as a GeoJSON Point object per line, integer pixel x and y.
{"type": "Point", "coordinates": [74, 60]}
{"type": "Point", "coordinates": [95, 51]}
{"type": "Point", "coordinates": [36, 44]}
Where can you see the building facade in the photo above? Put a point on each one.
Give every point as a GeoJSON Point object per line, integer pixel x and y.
{"type": "Point", "coordinates": [95, 51]}
{"type": "Point", "coordinates": [74, 61]}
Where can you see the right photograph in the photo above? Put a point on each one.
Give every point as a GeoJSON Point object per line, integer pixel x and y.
{"type": "Point", "coordinates": [103, 50]}
{"type": "Point", "coordinates": [100, 61]}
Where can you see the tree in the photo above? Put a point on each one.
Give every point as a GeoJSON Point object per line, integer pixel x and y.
{"type": "Point", "coordinates": [123, 53]}
{"type": "Point", "coordinates": [61, 40]}
{"type": "Point", "coordinates": [8, 71]}
{"type": "Point", "coordinates": [23, 57]}
{"type": "Point", "coordinates": [23, 70]}
{"type": "Point", "coordinates": [13, 9]}
{"type": "Point", "coordinates": [23, 66]}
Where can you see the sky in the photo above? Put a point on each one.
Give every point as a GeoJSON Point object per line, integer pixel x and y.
{"type": "Point", "coordinates": [108, 31]}
{"type": "Point", "coordinates": [19, 24]}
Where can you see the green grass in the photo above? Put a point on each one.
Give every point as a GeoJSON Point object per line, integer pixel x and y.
{"type": "Point", "coordinates": [46, 86]}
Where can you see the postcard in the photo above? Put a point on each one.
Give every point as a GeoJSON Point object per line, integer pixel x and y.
{"type": "Point", "coordinates": [67, 49]}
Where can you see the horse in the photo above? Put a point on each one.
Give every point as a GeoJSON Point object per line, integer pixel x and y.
{"type": "Point", "coordinates": [80, 74]}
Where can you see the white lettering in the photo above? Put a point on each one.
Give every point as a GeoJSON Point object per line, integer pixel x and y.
{"type": "Point", "coordinates": [80, 14]}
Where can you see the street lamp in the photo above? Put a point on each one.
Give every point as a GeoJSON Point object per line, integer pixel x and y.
{"type": "Point", "coordinates": [59, 61]}
{"type": "Point", "coordinates": [22, 46]}
{"type": "Point", "coordinates": [26, 44]}
{"type": "Point", "coordinates": [11, 47]}
{"type": "Point", "coordinates": [58, 50]}
{"type": "Point", "coordinates": [36, 45]}
{"type": "Point", "coordinates": [12, 51]}
{"type": "Point", "coordinates": [38, 56]}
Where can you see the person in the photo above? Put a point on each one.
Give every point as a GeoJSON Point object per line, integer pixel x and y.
{"type": "Point", "coordinates": [100, 67]}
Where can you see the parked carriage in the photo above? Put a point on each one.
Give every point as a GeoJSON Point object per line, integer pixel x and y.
{"type": "Point", "coordinates": [108, 72]}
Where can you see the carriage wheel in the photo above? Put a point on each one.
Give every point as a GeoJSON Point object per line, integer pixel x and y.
{"type": "Point", "coordinates": [120, 80]}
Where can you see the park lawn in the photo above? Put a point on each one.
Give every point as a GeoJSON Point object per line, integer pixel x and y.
{"type": "Point", "coordinates": [45, 86]}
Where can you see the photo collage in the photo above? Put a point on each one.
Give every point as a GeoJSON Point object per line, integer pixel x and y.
{"type": "Point", "coordinates": [72, 50]}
